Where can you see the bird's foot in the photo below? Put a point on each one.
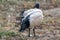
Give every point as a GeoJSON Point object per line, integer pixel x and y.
{"type": "Point", "coordinates": [30, 35]}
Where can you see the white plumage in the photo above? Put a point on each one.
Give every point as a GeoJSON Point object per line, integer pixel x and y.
{"type": "Point", "coordinates": [36, 16]}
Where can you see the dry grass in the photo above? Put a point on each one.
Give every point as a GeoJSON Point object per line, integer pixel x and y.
{"type": "Point", "coordinates": [50, 26]}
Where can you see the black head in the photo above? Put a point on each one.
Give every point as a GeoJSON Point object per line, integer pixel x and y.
{"type": "Point", "coordinates": [22, 27]}
{"type": "Point", "coordinates": [25, 24]}
{"type": "Point", "coordinates": [36, 5]}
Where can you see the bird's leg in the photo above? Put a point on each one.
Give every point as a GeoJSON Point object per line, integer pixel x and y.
{"type": "Point", "coordinates": [34, 32]}
{"type": "Point", "coordinates": [29, 33]}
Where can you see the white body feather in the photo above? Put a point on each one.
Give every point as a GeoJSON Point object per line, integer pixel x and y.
{"type": "Point", "coordinates": [36, 16]}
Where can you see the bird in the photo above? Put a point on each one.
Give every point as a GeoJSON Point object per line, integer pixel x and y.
{"type": "Point", "coordinates": [32, 18]}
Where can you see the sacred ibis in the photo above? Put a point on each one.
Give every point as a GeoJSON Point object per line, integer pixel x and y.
{"type": "Point", "coordinates": [32, 18]}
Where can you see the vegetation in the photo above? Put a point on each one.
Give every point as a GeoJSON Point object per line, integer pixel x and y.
{"type": "Point", "coordinates": [8, 31]}
{"type": "Point", "coordinates": [7, 34]}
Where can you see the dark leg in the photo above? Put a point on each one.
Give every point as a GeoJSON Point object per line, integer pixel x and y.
{"type": "Point", "coordinates": [29, 33]}
{"type": "Point", "coordinates": [34, 32]}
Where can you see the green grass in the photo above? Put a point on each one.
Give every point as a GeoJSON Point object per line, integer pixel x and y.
{"type": "Point", "coordinates": [6, 33]}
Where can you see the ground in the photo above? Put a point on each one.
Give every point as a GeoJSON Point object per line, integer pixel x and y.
{"type": "Point", "coordinates": [50, 28]}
